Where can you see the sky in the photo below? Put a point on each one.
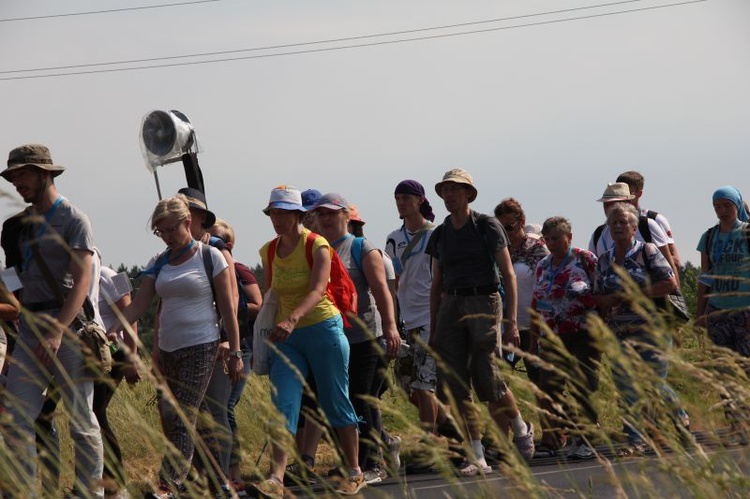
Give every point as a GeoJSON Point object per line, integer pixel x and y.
{"type": "Point", "coordinates": [540, 106]}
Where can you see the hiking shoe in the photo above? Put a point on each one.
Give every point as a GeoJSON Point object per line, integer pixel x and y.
{"type": "Point", "coordinates": [270, 487]}
{"type": "Point", "coordinates": [394, 451]}
{"type": "Point", "coordinates": [351, 486]}
{"type": "Point", "coordinates": [299, 474]}
{"type": "Point", "coordinates": [469, 469]}
{"type": "Point", "coordinates": [525, 443]}
{"type": "Point", "coordinates": [375, 475]}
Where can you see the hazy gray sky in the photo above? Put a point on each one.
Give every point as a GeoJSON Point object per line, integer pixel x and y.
{"type": "Point", "coordinates": [547, 114]}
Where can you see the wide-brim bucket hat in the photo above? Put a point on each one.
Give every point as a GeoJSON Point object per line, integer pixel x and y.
{"type": "Point", "coordinates": [31, 155]}
{"type": "Point", "coordinates": [458, 176]}
{"type": "Point", "coordinates": [618, 191]}
{"type": "Point", "coordinates": [197, 200]}
{"type": "Point", "coordinates": [285, 197]}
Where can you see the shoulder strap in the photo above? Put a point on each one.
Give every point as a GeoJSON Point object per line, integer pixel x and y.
{"type": "Point", "coordinates": [651, 214]}
{"type": "Point", "coordinates": [309, 242]}
{"type": "Point", "coordinates": [208, 265]}
{"type": "Point", "coordinates": [482, 222]}
{"type": "Point", "coordinates": [357, 245]}
{"type": "Point", "coordinates": [271, 255]}
{"type": "Point", "coordinates": [598, 234]}
{"type": "Point", "coordinates": [644, 229]}
{"type": "Point", "coordinates": [710, 234]}
{"type": "Point", "coordinates": [414, 240]}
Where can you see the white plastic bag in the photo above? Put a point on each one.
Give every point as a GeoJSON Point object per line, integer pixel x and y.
{"type": "Point", "coordinates": [264, 324]}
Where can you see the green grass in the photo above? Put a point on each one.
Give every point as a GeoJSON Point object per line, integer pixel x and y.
{"type": "Point", "coordinates": [697, 369]}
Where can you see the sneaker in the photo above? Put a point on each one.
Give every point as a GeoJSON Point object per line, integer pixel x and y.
{"type": "Point", "coordinates": [270, 487]}
{"type": "Point", "coordinates": [580, 450]}
{"type": "Point", "coordinates": [394, 451]}
{"type": "Point", "coordinates": [296, 474]}
{"type": "Point", "coordinates": [525, 443]}
{"type": "Point", "coordinates": [469, 469]}
{"type": "Point", "coordinates": [351, 486]}
{"type": "Point", "coordinates": [375, 475]}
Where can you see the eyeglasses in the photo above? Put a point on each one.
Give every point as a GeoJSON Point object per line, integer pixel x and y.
{"type": "Point", "coordinates": [510, 227]}
{"type": "Point", "coordinates": [167, 231]}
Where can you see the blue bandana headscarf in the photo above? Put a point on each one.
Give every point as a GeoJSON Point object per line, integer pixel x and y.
{"type": "Point", "coordinates": [732, 194]}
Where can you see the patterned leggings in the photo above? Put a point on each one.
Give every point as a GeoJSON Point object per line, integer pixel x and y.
{"type": "Point", "coordinates": [187, 372]}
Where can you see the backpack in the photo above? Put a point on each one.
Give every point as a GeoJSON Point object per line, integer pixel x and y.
{"type": "Point", "coordinates": [340, 289]}
{"type": "Point", "coordinates": [643, 228]}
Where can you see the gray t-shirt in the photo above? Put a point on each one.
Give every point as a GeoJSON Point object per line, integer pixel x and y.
{"type": "Point", "coordinates": [467, 255]}
{"type": "Point", "coordinates": [366, 309]}
{"type": "Point", "coordinates": [68, 223]}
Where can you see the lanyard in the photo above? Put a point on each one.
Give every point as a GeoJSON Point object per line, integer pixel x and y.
{"type": "Point", "coordinates": [553, 274]}
{"type": "Point", "coordinates": [47, 218]}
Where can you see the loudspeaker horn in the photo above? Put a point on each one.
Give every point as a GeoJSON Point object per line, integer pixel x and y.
{"type": "Point", "coordinates": [165, 137]}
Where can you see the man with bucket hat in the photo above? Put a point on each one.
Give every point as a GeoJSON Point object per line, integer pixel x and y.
{"type": "Point", "coordinates": [56, 248]}
{"type": "Point", "coordinates": [468, 249]}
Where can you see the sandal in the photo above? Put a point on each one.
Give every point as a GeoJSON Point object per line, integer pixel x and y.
{"type": "Point", "coordinates": [635, 449]}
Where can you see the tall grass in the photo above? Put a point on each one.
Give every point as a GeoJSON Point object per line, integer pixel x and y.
{"type": "Point", "coordinates": [703, 375]}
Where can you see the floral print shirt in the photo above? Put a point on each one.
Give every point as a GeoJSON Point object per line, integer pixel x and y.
{"type": "Point", "coordinates": [563, 294]}
{"type": "Point", "coordinates": [643, 263]}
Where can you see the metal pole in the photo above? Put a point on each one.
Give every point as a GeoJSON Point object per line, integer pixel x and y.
{"type": "Point", "coordinates": [158, 187]}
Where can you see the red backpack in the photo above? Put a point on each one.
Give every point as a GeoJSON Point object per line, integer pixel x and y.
{"type": "Point", "coordinates": [340, 289]}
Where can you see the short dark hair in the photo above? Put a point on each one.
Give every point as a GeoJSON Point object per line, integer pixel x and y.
{"type": "Point", "coordinates": [634, 180]}
{"type": "Point", "coordinates": [510, 206]}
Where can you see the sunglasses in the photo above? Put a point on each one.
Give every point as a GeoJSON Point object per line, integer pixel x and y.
{"type": "Point", "coordinates": [167, 231]}
{"type": "Point", "coordinates": [511, 227]}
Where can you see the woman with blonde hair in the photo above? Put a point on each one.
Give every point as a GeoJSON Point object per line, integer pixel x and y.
{"type": "Point", "coordinates": [188, 338]}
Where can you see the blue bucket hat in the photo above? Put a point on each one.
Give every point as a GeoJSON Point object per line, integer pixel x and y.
{"type": "Point", "coordinates": [285, 197]}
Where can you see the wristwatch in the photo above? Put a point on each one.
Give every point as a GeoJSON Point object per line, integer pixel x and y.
{"type": "Point", "coordinates": [236, 353]}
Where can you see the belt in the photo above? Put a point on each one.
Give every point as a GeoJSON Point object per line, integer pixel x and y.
{"type": "Point", "coordinates": [476, 291]}
{"type": "Point", "coordinates": [43, 305]}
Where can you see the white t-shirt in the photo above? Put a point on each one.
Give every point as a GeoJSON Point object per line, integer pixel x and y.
{"type": "Point", "coordinates": [414, 278]}
{"type": "Point", "coordinates": [658, 237]}
{"type": "Point", "coordinates": [663, 223]}
{"type": "Point", "coordinates": [108, 294]}
{"type": "Point", "coordinates": [188, 315]}
{"type": "Point", "coordinates": [94, 287]}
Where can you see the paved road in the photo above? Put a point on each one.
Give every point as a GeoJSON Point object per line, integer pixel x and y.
{"type": "Point", "coordinates": [608, 477]}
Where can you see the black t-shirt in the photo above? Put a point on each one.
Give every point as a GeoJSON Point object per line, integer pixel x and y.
{"type": "Point", "coordinates": [467, 255]}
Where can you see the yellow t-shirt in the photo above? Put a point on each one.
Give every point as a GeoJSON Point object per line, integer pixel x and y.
{"type": "Point", "coordinates": [291, 279]}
